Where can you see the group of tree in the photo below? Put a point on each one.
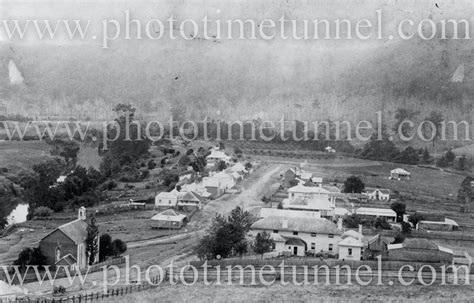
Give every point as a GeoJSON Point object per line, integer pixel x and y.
{"type": "Point", "coordinates": [448, 159]}
{"type": "Point", "coordinates": [400, 209]}
{"type": "Point", "coordinates": [40, 187]}
{"type": "Point", "coordinates": [126, 142]}
{"type": "Point", "coordinates": [30, 256]}
{"type": "Point", "coordinates": [227, 236]}
{"type": "Point", "coordinates": [109, 248]}
{"type": "Point", "coordinates": [353, 184]}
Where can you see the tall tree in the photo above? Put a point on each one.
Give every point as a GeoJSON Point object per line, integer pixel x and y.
{"type": "Point", "coordinates": [436, 118]}
{"type": "Point", "coordinates": [400, 209]}
{"type": "Point", "coordinates": [353, 184]}
{"type": "Point", "coordinates": [404, 114]}
{"type": "Point", "coordinates": [263, 243]}
{"type": "Point", "coordinates": [92, 245]}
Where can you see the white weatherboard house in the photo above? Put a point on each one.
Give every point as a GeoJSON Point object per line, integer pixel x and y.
{"type": "Point", "coordinates": [167, 199]}
{"type": "Point", "coordinates": [378, 194]}
{"type": "Point", "coordinates": [217, 155]}
{"type": "Point", "coordinates": [296, 236]}
{"type": "Point", "coordinates": [311, 198]}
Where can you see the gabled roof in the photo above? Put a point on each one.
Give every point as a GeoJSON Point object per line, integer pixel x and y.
{"type": "Point", "coordinates": [373, 190]}
{"type": "Point", "coordinates": [190, 196]}
{"type": "Point", "coordinates": [75, 230]}
{"type": "Point", "coordinates": [349, 241]}
{"type": "Point", "coordinates": [238, 167]}
{"type": "Point", "coordinates": [310, 203]}
{"type": "Point", "coordinates": [353, 234]}
{"type": "Point", "coordinates": [377, 237]}
{"type": "Point", "coordinates": [68, 259]}
{"type": "Point", "coordinates": [168, 195]}
{"type": "Point", "coordinates": [169, 215]}
{"type": "Point", "coordinates": [419, 244]}
{"type": "Point", "coordinates": [309, 225]}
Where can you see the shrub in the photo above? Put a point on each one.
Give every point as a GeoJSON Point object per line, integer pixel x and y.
{"type": "Point", "coordinates": [118, 247]}
{"type": "Point", "coordinates": [43, 211]}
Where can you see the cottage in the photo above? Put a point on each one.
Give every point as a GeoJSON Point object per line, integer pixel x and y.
{"type": "Point", "coordinates": [377, 246]}
{"type": "Point", "coordinates": [399, 174]}
{"type": "Point", "coordinates": [169, 219]}
{"type": "Point", "coordinates": [300, 234]}
{"type": "Point", "coordinates": [310, 192]}
{"type": "Point", "coordinates": [373, 213]}
{"type": "Point", "coordinates": [214, 187]}
{"type": "Point", "coordinates": [226, 180]}
{"type": "Point", "coordinates": [378, 194]}
{"type": "Point", "coordinates": [190, 199]}
{"type": "Point", "coordinates": [419, 250]}
{"type": "Point", "coordinates": [238, 168]}
{"type": "Point", "coordinates": [217, 155]}
{"type": "Point", "coordinates": [66, 245]}
{"type": "Point", "coordinates": [167, 199]}
{"type": "Point", "coordinates": [198, 188]}
{"type": "Point", "coordinates": [350, 249]}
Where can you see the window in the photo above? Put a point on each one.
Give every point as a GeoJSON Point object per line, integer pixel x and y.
{"type": "Point", "coordinates": [330, 247]}
{"type": "Point", "coordinates": [273, 245]}
{"type": "Point", "coordinates": [349, 251]}
{"type": "Point", "coordinates": [295, 233]}
{"type": "Point", "coordinates": [313, 245]}
{"type": "Point", "coordinates": [313, 234]}
{"type": "Point", "coordinates": [275, 231]}
{"type": "Point", "coordinates": [331, 236]}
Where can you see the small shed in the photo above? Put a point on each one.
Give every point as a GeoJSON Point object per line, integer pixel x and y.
{"type": "Point", "coordinates": [169, 219]}
{"type": "Point", "coordinates": [399, 174]}
{"type": "Point", "coordinates": [419, 250]}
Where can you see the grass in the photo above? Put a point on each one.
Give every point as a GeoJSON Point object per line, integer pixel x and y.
{"type": "Point", "coordinates": [16, 155]}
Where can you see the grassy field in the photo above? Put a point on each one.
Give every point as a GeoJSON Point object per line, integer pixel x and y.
{"type": "Point", "coordinates": [283, 293]}
{"type": "Point", "coordinates": [17, 155]}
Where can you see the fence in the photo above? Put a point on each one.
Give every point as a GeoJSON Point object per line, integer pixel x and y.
{"type": "Point", "coordinates": [31, 277]}
{"type": "Point", "coordinates": [92, 296]}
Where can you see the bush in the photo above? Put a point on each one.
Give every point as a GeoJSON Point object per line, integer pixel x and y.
{"type": "Point", "coordinates": [118, 247]}
{"type": "Point", "coordinates": [43, 211]}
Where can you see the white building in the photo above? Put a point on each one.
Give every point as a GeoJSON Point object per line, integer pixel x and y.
{"type": "Point", "coordinates": [169, 199]}
{"type": "Point", "coordinates": [217, 155]}
{"type": "Point", "coordinates": [168, 219]}
{"type": "Point", "coordinates": [297, 235]}
{"type": "Point", "coordinates": [269, 212]}
{"type": "Point", "coordinates": [378, 194]}
{"type": "Point", "coordinates": [310, 192]}
{"type": "Point", "coordinates": [350, 249]}
{"type": "Point", "coordinates": [399, 174]}
{"type": "Point", "coordinates": [373, 213]}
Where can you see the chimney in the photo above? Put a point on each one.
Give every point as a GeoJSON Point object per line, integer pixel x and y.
{"type": "Point", "coordinates": [82, 213]}
{"type": "Point", "coordinates": [284, 223]}
{"type": "Point", "coordinates": [339, 223]}
{"type": "Point", "coordinates": [360, 229]}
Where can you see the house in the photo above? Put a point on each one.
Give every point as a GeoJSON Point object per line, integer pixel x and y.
{"type": "Point", "coordinates": [226, 180]}
{"type": "Point", "coordinates": [353, 234]}
{"type": "Point", "coordinates": [297, 235]}
{"type": "Point", "coordinates": [443, 225]}
{"type": "Point", "coordinates": [238, 168]}
{"type": "Point", "coordinates": [167, 199]}
{"type": "Point", "coordinates": [357, 198]}
{"type": "Point", "coordinates": [399, 174]}
{"type": "Point", "coordinates": [190, 199]}
{"type": "Point", "coordinates": [169, 219]}
{"type": "Point", "coordinates": [350, 249]}
{"type": "Point", "coordinates": [419, 250]}
{"type": "Point", "coordinates": [310, 192]}
{"type": "Point", "coordinates": [317, 181]}
{"type": "Point", "coordinates": [66, 245]}
{"type": "Point", "coordinates": [214, 187]}
{"type": "Point", "coordinates": [198, 188]}
{"type": "Point", "coordinates": [218, 155]}
{"type": "Point", "coordinates": [377, 246]}
{"type": "Point", "coordinates": [318, 204]}
{"type": "Point", "coordinates": [373, 213]}
{"type": "Point", "coordinates": [378, 194]}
